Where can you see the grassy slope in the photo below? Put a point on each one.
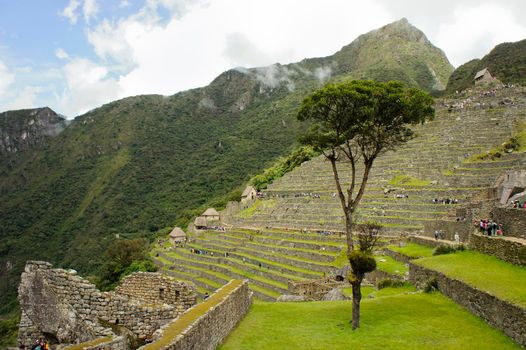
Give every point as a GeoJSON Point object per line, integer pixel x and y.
{"type": "Point", "coordinates": [504, 280]}
{"type": "Point", "coordinates": [413, 321]}
{"type": "Point", "coordinates": [413, 250]}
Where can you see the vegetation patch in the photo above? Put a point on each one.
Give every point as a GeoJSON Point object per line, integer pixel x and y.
{"type": "Point", "coordinates": [87, 344]}
{"type": "Point", "coordinates": [407, 180]}
{"type": "Point", "coordinates": [409, 321]}
{"type": "Point", "coordinates": [412, 250]}
{"type": "Point", "coordinates": [258, 205]}
{"type": "Point", "coordinates": [487, 273]}
{"type": "Point", "coordinates": [283, 165]}
{"type": "Point", "coordinates": [387, 264]}
{"type": "Point", "coordinates": [516, 143]}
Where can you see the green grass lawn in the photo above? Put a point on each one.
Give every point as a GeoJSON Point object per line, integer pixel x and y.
{"type": "Point", "coordinates": [499, 278]}
{"type": "Point", "coordinates": [390, 265]}
{"type": "Point", "coordinates": [411, 321]}
{"type": "Point", "coordinates": [413, 250]}
{"type": "Point", "coordinates": [372, 292]}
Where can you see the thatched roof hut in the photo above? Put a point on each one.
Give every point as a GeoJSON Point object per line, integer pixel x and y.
{"type": "Point", "coordinates": [177, 235]}
{"type": "Point", "coordinates": [200, 222]}
{"type": "Point", "coordinates": [248, 194]}
{"type": "Point", "coordinates": [210, 212]}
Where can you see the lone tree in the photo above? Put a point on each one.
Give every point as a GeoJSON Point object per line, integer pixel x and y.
{"type": "Point", "coordinates": [356, 122]}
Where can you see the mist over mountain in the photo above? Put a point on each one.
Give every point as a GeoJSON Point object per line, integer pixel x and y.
{"type": "Point", "coordinates": [137, 165]}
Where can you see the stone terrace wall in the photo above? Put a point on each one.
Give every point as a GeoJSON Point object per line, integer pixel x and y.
{"type": "Point", "coordinates": [509, 318]}
{"type": "Point", "coordinates": [512, 220]}
{"type": "Point", "coordinates": [313, 289]}
{"type": "Point", "coordinates": [211, 328]}
{"type": "Point", "coordinates": [157, 289]}
{"type": "Point", "coordinates": [449, 228]}
{"type": "Point", "coordinates": [59, 304]}
{"type": "Point", "coordinates": [507, 250]}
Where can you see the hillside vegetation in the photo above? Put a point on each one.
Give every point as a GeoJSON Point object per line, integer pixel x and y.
{"type": "Point", "coordinates": [137, 165]}
{"type": "Point", "coordinates": [506, 62]}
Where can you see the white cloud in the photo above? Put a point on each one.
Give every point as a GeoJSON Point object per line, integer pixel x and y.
{"type": "Point", "coordinates": [191, 50]}
{"type": "Point", "coordinates": [124, 3]}
{"type": "Point", "coordinates": [87, 86]}
{"type": "Point", "coordinates": [27, 98]}
{"type": "Point", "coordinates": [70, 11]}
{"type": "Point", "coordinates": [6, 78]}
{"type": "Point", "coordinates": [60, 53]}
{"type": "Point", "coordinates": [90, 9]}
{"type": "Point", "coordinates": [474, 31]}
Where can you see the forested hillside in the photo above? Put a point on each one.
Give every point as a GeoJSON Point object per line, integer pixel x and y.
{"type": "Point", "coordinates": [506, 62]}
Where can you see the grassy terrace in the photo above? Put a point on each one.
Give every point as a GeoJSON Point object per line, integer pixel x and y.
{"type": "Point", "coordinates": [272, 263]}
{"type": "Point", "coordinates": [240, 262]}
{"type": "Point", "coordinates": [230, 268]}
{"type": "Point", "coordinates": [409, 321]}
{"type": "Point", "coordinates": [387, 264]}
{"type": "Point", "coordinates": [412, 250]}
{"type": "Point", "coordinates": [499, 278]}
{"type": "Point", "coordinates": [181, 261]}
{"type": "Point", "coordinates": [191, 316]}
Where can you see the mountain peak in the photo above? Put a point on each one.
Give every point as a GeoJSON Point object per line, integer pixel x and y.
{"type": "Point", "coordinates": [401, 28]}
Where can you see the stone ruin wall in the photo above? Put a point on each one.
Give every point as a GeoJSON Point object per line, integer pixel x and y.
{"type": "Point", "coordinates": [157, 289]}
{"type": "Point", "coordinates": [512, 220]}
{"type": "Point", "coordinates": [213, 326]}
{"type": "Point", "coordinates": [313, 289]}
{"type": "Point", "coordinates": [65, 308]}
{"type": "Point", "coordinates": [507, 250]}
{"type": "Point", "coordinates": [505, 316]}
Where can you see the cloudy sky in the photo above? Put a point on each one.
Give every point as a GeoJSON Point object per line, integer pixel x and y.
{"type": "Point", "coordinates": [75, 55]}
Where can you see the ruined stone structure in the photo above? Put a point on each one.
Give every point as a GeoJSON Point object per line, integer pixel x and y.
{"type": "Point", "coordinates": [510, 250]}
{"type": "Point", "coordinates": [65, 308]}
{"type": "Point", "coordinates": [206, 325]}
{"type": "Point", "coordinates": [510, 184]}
{"type": "Point", "coordinates": [313, 289]}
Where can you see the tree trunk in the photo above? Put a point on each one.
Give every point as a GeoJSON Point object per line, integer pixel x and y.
{"type": "Point", "coordinates": [348, 230]}
{"type": "Point", "coordinates": [356, 299]}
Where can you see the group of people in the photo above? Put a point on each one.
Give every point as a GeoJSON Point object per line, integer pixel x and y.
{"type": "Point", "coordinates": [444, 201]}
{"type": "Point", "coordinates": [307, 194]}
{"type": "Point", "coordinates": [401, 195]}
{"type": "Point", "coordinates": [490, 228]}
{"type": "Point", "coordinates": [39, 344]}
{"type": "Point", "coordinates": [518, 205]}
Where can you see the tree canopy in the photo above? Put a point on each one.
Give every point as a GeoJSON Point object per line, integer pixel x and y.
{"type": "Point", "coordinates": [357, 121]}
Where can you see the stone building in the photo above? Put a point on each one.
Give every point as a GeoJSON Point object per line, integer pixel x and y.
{"type": "Point", "coordinates": [248, 194]}
{"type": "Point", "coordinates": [484, 77]}
{"type": "Point", "coordinates": [66, 309]}
{"type": "Point", "coordinates": [177, 236]}
{"type": "Point", "coordinates": [511, 186]}
{"type": "Point", "coordinates": [200, 223]}
{"type": "Point", "coordinates": [211, 214]}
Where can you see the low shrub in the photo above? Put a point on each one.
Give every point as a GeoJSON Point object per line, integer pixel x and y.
{"type": "Point", "coordinates": [443, 249]}
{"type": "Point", "coordinates": [388, 282]}
{"type": "Point", "coordinates": [431, 285]}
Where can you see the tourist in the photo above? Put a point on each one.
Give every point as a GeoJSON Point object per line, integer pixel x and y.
{"type": "Point", "coordinates": [436, 235]}
{"type": "Point", "coordinates": [457, 237]}
{"type": "Point", "coordinates": [205, 296]}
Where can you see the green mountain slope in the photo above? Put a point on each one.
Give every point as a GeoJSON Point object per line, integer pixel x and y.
{"type": "Point", "coordinates": [506, 62]}
{"type": "Point", "coordinates": [143, 163]}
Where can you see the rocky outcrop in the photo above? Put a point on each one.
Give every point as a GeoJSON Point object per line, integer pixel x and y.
{"type": "Point", "coordinates": [26, 129]}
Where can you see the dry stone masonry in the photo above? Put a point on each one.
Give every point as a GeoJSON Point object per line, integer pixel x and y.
{"type": "Point", "coordinates": [508, 317]}
{"type": "Point", "coordinates": [65, 308]}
